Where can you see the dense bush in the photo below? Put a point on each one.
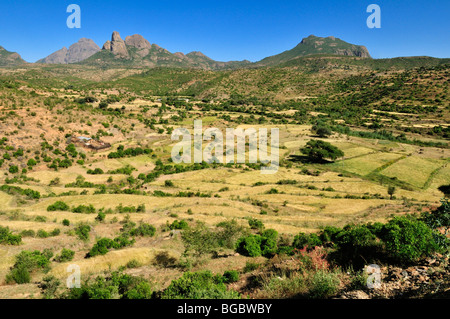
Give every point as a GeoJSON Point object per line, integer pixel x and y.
{"type": "Point", "coordinates": [103, 245]}
{"type": "Point", "coordinates": [255, 224]}
{"type": "Point", "coordinates": [230, 276]}
{"type": "Point", "coordinates": [250, 246]}
{"type": "Point", "coordinates": [58, 206]}
{"type": "Point", "coordinates": [115, 286]}
{"type": "Point", "coordinates": [7, 238]}
{"type": "Point", "coordinates": [198, 285]}
{"type": "Point", "coordinates": [182, 224]}
{"type": "Point", "coordinates": [439, 217]}
{"type": "Point", "coordinates": [317, 150]}
{"type": "Point", "coordinates": [26, 263]}
{"type": "Point", "coordinates": [82, 231]}
{"type": "Point", "coordinates": [408, 239]}
{"type": "Point", "coordinates": [83, 209]}
{"type": "Point", "coordinates": [309, 241]}
{"type": "Point", "coordinates": [143, 230]}
{"type": "Point", "coordinates": [66, 255]}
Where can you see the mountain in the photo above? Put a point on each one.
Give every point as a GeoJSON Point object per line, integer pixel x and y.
{"type": "Point", "coordinates": [313, 45]}
{"type": "Point", "coordinates": [137, 51]}
{"type": "Point", "coordinates": [8, 58]}
{"type": "Point", "coordinates": [77, 52]}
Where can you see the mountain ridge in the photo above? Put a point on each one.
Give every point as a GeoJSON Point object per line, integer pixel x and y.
{"type": "Point", "coordinates": [135, 50]}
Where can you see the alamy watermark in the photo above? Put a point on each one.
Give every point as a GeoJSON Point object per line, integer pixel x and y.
{"type": "Point", "coordinates": [374, 278]}
{"type": "Point", "coordinates": [74, 20]}
{"type": "Point", "coordinates": [74, 279]}
{"type": "Point", "coordinates": [214, 151]}
{"type": "Point", "coordinates": [374, 20]}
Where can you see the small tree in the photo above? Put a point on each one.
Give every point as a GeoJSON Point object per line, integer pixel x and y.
{"type": "Point", "coordinates": [391, 191]}
{"type": "Point", "coordinates": [322, 130]}
{"type": "Point", "coordinates": [317, 150]}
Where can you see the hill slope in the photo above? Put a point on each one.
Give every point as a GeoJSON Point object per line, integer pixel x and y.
{"type": "Point", "coordinates": [313, 45]}
{"type": "Point", "coordinates": [8, 58]}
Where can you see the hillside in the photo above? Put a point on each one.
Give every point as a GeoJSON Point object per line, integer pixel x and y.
{"type": "Point", "coordinates": [10, 58]}
{"type": "Point", "coordinates": [313, 45]}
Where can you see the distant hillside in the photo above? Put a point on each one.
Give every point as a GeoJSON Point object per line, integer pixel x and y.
{"type": "Point", "coordinates": [8, 58]}
{"type": "Point", "coordinates": [139, 52]}
{"type": "Point", "coordinates": [77, 52]}
{"type": "Point", "coordinates": [313, 45]}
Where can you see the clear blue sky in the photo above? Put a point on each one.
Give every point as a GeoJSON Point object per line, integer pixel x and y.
{"type": "Point", "coordinates": [229, 30]}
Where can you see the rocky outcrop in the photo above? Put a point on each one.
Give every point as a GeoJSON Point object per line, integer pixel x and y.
{"type": "Point", "coordinates": [140, 43]}
{"type": "Point", "coordinates": [77, 52]}
{"type": "Point", "coordinates": [118, 46]}
{"type": "Point", "coordinates": [137, 41]}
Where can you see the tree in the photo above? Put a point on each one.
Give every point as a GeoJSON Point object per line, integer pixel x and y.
{"type": "Point", "coordinates": [391, 191]}
{"type": "Point", "coordinates": [322, 130]}
{"type": "Point", "coordinates": [317, 150]}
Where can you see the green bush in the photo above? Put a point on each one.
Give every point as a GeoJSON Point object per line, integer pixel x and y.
{"type": "Point", "coordinates": [103, 245]}
{"type": "Point", "coordinates": [66, 222]}
{"type": "Point", "coordinates": [100, 217]}
{"type": "Point", "coordinates": [66, 255]}
{"type": "Point", "coordinates": [26, 263]}
{"type": "Point", "coordinates": [308, 241]}
{"type": "Point", "coordinates": [230, 276]}
{"type": "Point", "coordinates": [7, 238]}
{"type": "Point", "coordinates": [115, 286]}
{"type": "Point", "coordinates": [408, 239]}
{"type": "Point", "coordinates": [83, 209]}
{"type": "Point", "coordinates": [249, 246]}
{"type": "Point", "coordinates": [178, 225]}
{"type": "Point", "coordinates": [143, 230]}
{"type": "Point", "coordinates": [58, 206]}
{"type": "Point", "coordinates": [82, 231]}
{"type": "Point", "coordinates": [198, 285]}
{"type": "Point", "coordinates": [255, 224]}
{"type": "Point", "coordinates": [439, 217]}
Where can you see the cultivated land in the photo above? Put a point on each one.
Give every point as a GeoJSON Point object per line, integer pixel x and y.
{"type": "Point", "coordinates": [390, 119]}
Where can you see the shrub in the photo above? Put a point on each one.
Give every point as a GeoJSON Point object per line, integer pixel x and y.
{"type": "Point", "coordinates": [66, 255]}
{"type": "Point", "coordinates": [198, 285]}
{"type": "Point", "coordinates": [13, 169]}
{"type": "Point", "coordinates": [231, 276]}
{"type": "Point", "coordinates": [83, 209]}
{"type": "Point", "coordinates": [26, 263]}
{"type": "Point", "coordinates": [249, 246]}
{"type": "Point", "coordinates": [308, 241]}
{"type": "Point", "coordinates": [143, 230]}
{"type": "Point", "coordinates": [28, 233]}
{"type": "Point", "coordinates": [438, 218]}
{"type": "Point", "coordinates": [408, 239]}
{"type": "Point", "coordinates": [178, 225]}
{"type": "Point", "coordinates": [103, 245]}
{"type": "Point", "coordinates": [7, 238]}
{"type": "Point", "coordinates": [58, 206]}
{"type": "Point", "coordinates": [255, 224]}
{"type": "Point", "coordinates": [97, 171]}
{"type": "Point", "coordinates": [42, 234]}
{"type": "Point", "coordinates": [117, 285]}
{"type": "Point", "coordinates": [82, 231]}
{"type": "Point", "coordinates": [323, 285]}
{"type": "Point", "coordinates": [66, 222]}
{"type": "Point", "coordinates": [100, 217]}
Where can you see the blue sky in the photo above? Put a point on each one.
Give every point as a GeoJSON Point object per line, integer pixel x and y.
{"type": "Point", "coordinates": [229, 30]}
